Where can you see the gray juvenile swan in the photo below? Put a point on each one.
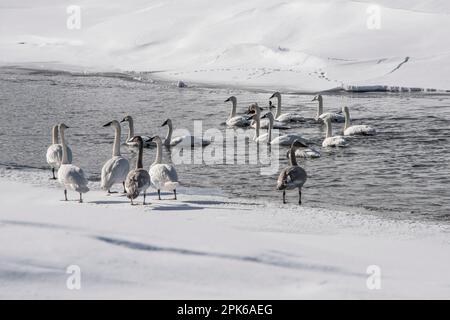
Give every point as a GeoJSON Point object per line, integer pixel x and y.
{"type": "Point", "coordinates": [70, 176]}
{"type": "Point", "coordinates": [320, 116]}
{"type": "Point", "coordinates": [163, 176]}
{"type": "Point", "coordinates": [138, 179]}
{"type": "Point", "coordinates": [186, 140]}
{"type": "Point", "coordinates": [54, 153]}
{"type": "Point", "coordinates": [116, 169]}
{"type": "Point", "coordinates": [293, 176]}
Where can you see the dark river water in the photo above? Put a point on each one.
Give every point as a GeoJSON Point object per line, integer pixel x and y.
{"type": "Point", "coordinates": [403, 171]}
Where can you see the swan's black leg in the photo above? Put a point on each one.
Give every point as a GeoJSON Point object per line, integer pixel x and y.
{"type": "Point", "coordinates": [145, 193]}
{"type": "Point", "coordinates": [132, 202]}
{"type": "Point", "coordinates": [124, 190]}
{"type": "Point", "coordinates": [65, 194]}
{"type": "Point", "coordinates": [81, 198]}
{"type": "Point", "coordinates": [175, 193]}
{"type": "Point", "coordinates": [159, 194]}
{"type": "Point", "coordinates": [299, 196]}
{"type": "Point", "coordinates": [284, 196]}
{"type": "Point", "coordinates": [53, 172]}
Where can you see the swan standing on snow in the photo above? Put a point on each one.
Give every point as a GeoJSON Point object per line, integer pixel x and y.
{"type": "Point", "coordinates": [54, 152]}
{"type": "Point", "coordinates": [137, 180]}
{"type": "Point", "coordinates": [145, 140]}
{"type": "Point", "coordinates": [70, 176]}
{"type": "Point", "coordinates": [163, 176]}
{"type": "Point", "coordinates": [320, 116]}
{"type": "Point", "coordinates": [360, 129]}
{"type": "Point", "coordinates": [186, 140]}
{"type": "Point", "coordinates": [115, 170]}
{"type": "Point", "coordinates": [293, 176]}
{"type": "Point", "coordinates": [330, 140]}
{"type": "Point", "coordinates": [233, 120]}
{"type": "Point", "coordinates": [285, 117]}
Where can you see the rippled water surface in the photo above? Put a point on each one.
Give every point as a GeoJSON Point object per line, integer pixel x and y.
{"type": "Point", "coordinates": [403, 171]}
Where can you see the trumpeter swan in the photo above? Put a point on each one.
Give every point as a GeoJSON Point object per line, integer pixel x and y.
{"type": "Point", "coordinates": [54, 152]}
{"type": "Point", "coordinates": [293, 176]}
{"type": "Point", "coordinates": [116, 169]}
{"type": "Point", "coordinates": [320, 116]}
{"type": "Point", "coordinates": [163, 176]}
{"type": "Point", "coordinates": [304, 151]}
{"type": "Point", "coordinates": [138, 179]}
{"type": "Point", "coordinates": [264, 123]}
{"type": "Point", "coordinates": [234, 120]}
{"type": "Point", "coordinates": [145, 140]}
{"type": "Point", "coordinates": [330, 140]}
{"type": "Point", "coordinates": [361, 129]}
{"type": "Point", "coordinates": [285, 117]}
{"type": "Point", "coordinates": [186, 140]}
{"type": "Point", "coordinates": [70, 176]}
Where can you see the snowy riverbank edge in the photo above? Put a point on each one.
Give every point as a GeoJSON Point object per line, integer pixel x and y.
{"type": "Point", "coordinates": [205, 246]}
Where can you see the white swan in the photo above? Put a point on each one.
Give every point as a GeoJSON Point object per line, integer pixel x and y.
{"type": "Point", "coordinates": [320, 116]}
{"type": "Point", "coordinates": [138, 179]}
{"type": "Point", "coordinates": [233, 120]}
{"type": "Point", "coordinates": [330, 140]}
{"type": "Point", "coordinates": [187, 140]}
{"type": "Point", "coordinates": [115, 170]}
{"type": "Point", "coordinates": [361, 129]}
{"type": "Point", "coordinates": [285, 117]}
{"type": "Point", "coordinates": [54, 152]}
{"type": "Point", "coordinates": [70, 176]}
{"type": "Point", "coordinates": [293, 176]}
{"type": "Point", "coordinates": [264, 123]}
{"type": "Point", "coordinates": [255, 113]}
{"type": "Point", "coordinates": [145, 139]}
{"type": "Point", "coordinates": [163, 176]}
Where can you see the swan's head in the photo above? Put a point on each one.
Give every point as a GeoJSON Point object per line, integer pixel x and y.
{"type": "Point", "coordinates": [127, 118]}
{"type": "Point", "coordinates": [63, 126]}
{"type": "Point", "coordinates": [276, 95]}
{"type": "Point", "coordinates": [298, 144]}
{"type": "Point", "coordinates": [156, 139]}
{"type": "Point", "coordinates": [113, 123]}
{"type": "Point", "coordinates": [232, 99]}
{"type": "Point", "coordinates": [345, 110]}
{"type": "Point", "coordinates": [167, 122]}
{"type": "Point", "coordinates": [268, 115]}
{"type": "Point", "coordinates": [137, 140]}
{"type": "Point", "coordinates": [317, 98]}
{"type": "Point", "coordinates": [254, 108]}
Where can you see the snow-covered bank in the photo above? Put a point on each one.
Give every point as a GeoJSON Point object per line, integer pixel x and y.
{"type": "Point", "coordinates": [300, 45]}
{"type": "Point", "coordinates": [204, 246]}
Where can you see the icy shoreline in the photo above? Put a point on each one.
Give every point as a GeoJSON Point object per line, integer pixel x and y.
{"type": "Point", "coordinates": [203, 246]}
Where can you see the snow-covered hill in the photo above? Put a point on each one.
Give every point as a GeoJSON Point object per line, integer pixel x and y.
{"type": "Point", "coordinates": [295, 45]}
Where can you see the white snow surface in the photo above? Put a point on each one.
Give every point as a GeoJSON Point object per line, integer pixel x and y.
{"type": "Point", "coordinates": [205, 246]}
{"type": "Point", "coordinates": [266, 44]}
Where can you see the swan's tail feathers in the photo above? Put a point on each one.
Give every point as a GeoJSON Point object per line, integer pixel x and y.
{"type": "Point", "coordinates": [82, 189]}
{"type": "Point", "coordinates": [172, 185]}
{"type": "Point", "coordinates": [132, 189]}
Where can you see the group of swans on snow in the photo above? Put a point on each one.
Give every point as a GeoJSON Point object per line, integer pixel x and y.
{"type": "Point", "coordinates": [117, 169]}
{"type": "Point", "coordinates": [164, 176]}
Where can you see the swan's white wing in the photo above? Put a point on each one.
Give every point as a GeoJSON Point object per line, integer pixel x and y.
{"type": "Point", "coordinates": [290, 117]}
{"type": "Point", "coordinates": [54, 155]}
{"type": "Point", "coordinates": [264, 124]}
{"type": "Point", "coordinates": [288, 139]}
{"type": "Point", "coordinates": [360, 130]}
{"type": "Point", "coordinates": [164, 176]}
{"type": "Point", "coordinates": [262, 137]}
{"type": "Point", "coordinates": [238, 121]}
{"type": "Point", "coordinates": [189, 140]}
{"type": "Point", "coordinates": [114, 171]}
{"type": "Point", "coordinates": [335, 141]}
{"type": "Point", "coordinates": [307, 153]}
{"type": "Point", "coordinates": [334, 117]}
{"type": "Point", "coordinates": [73, 177]}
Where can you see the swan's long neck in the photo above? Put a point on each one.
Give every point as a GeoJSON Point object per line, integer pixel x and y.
{"type": "Point", "coordinates": [257, 123]}
{"type": "Point", "coordinates": [116, 145]}
{"type": "Point", "coordinates": [292, 159]}
{"type": "Point", "coordinates": [347, 119]}
{"type": "Point", "coordinates": [233, 109]}
{"type": "Point", "coordinates": [55, 135]}
{"type": "Point", "coordinates": [319, 107]}
{"type": "Point", "coordinates": [139, 164]}
{"type": "Point", "coordinates": [158, 158]}
{"type": "Point", "coordinates": [329, 132]}
{"type": "Point", "coordinates": [278, 112]}
{"type": "Point", "coordinates": [64, 147]}
{"type": "Point", "coordinates": [130, 129]}
{"type": "Point", "coordinates": [269, 129]}
{"type": "Point", "coordinates": [169, 133]}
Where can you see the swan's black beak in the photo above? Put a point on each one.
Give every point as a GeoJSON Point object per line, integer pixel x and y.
{"type": "Point", "coordinates": [227, 100]}
{"type": "Point", "coordinates": [314, 99]}
{"type": "Point", "coordinates": [264, 116]}
{"type": "Point", "coordinates": [123, 120]}
{"type": "Point", "coordinates": [152, 138]}
{"type": "Point", "coordinates": [108, 124]}
{"type": "Point", "coordinates": [272, 96]}
{"type": "Point", "coordinates": [165, 122]}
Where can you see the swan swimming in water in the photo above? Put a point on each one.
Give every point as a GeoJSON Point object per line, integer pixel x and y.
{"type": "Point", "coordinates": [54, 152]}
{"type": "Point", "coordinates": [320, 116]}
{"type": "Point", "coordinates": [285, 117]}
{"type": "Point", "coordinates": [116, 169]}
{"type": "Point", "coordinates": [186, 140]}
{"type": "Point", "coordinates": [264, 122]}
{"type": "Point", "coordinates": [70, 176]}
{"type": "Point", "coordinates": [293, 176]}
{"type": "Point", "coordinates": [304, 151]}
{"type": "Point", "coordinates": [145, 140]}
{"type": "Point", "coordinates": [234, 120]}
{"type": "Point", "coordinates": [138, 179]}
{"type": "Point", "coordinates": [330, 140]}
{"type": "Point", "coordinates": [163, 176]}
{"type": "Point", "coordinates": [360, 129]}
